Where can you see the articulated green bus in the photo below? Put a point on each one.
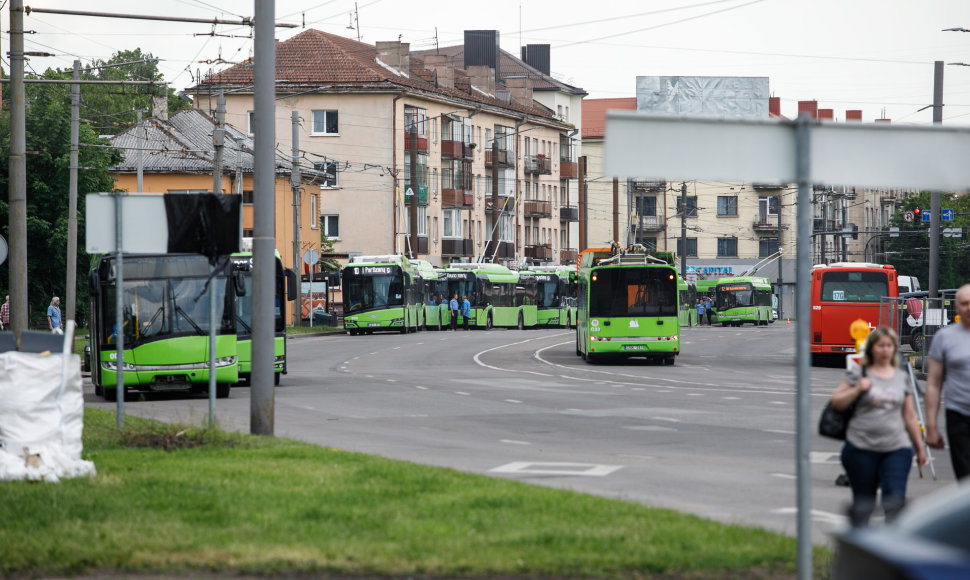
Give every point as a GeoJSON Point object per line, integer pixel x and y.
{"type": "Point", "coordinates": [687, 311]}
{"type": "Point", "coordinates": [497, 295]}
{"type": "Point", "coordinates": [740, 299]}
{"type": "Point", "coordinates": [555, 295]}
{"type": "Point", "coordinates": [427, 281]}
{"type": "Point", "coordinates": [285, 285]}
{"type": "Point", "coordinates": [381, 293]}
{"type": "Point", "coordinates": [628, 306]}
{"type": "Point", "coordinates": [166, 325]}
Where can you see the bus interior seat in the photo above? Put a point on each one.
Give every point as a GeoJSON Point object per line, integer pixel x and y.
{"type": "Point", "coordinates": [8, 341]}
{"type": "Point", "coordinates": [36, 341]}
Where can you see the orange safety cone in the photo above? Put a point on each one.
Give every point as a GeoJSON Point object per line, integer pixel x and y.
{"type": "Point", "coordinates": [788, 323]}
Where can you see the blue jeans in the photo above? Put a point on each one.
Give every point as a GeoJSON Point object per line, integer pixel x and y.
{"type": "Point", "coordinates": [869, 471]}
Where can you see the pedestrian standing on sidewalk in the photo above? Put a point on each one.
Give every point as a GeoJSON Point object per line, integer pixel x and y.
{"type": "Point", "coordinates": [949, 372]}
{"type": "Point", "coordinates": [54, 316]}
{"type": "Point", "coordinates": [700, 312]}
{"type": "Point", "coordinates": [884, 429]}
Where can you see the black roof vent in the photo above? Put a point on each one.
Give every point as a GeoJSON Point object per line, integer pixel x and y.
{"type": "Point", "coordinates": [537, 56]}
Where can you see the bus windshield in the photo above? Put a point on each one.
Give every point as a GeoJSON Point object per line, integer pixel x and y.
{"type": "Point", "coordinates": [633, 292]}
{"type": "Point", "coordinates": [854, 286]}
{"type": "Point", "coordinates": [734, 296]}
{"type": "Point", "coordinates": [547, 293]}
{"type": "Point", "coordinates": [244, 305]}
{"type": "Point", "coordinates": [155, 309]}
{"type": "Point", "coordinates": [366, 290]}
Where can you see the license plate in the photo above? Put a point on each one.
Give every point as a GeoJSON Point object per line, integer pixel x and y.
{"type": "Point", "coordinates": [634, 347]}
{"type": "Point", "coordinates": [373, 324]}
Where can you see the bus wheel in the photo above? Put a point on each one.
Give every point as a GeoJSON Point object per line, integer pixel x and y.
{"type": "Point", "coordinates": [578, 352]}
{"type": "Point", "coordinates": [111, 395]}
{"type": "Point", "coordinates": [521, 322]}
{"type": "Point", "coordinates": [488, 322]}
{"type": "Point", "coordinates": [98, 391]}
{"type": "Point", "coordinates": [668, 360]}
{"type": "Point", "coordinates": [404, 329]}
{"type": "Point", "coordinates": [222, 390]}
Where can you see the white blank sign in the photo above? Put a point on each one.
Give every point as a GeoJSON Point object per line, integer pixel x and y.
{"type": "Point", "coordinates": [144, 224]}
{"type": "Point", "coordinates": [854, 154]}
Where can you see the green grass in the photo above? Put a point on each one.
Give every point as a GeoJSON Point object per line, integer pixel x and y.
{"type": "Point", "coordinates": [310, 330]}
{"type": "Point", "coordinates": [175, 499]}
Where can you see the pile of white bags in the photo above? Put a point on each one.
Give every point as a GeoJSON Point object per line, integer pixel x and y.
{"type": "Point", "coordinates": [41, 417]}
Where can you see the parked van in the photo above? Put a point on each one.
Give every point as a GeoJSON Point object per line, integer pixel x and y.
{"type": "Point", "coordinates": [908, 284]}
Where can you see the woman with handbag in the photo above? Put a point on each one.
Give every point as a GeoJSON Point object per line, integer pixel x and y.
{"type": "Point", "coordinates": [883, 431]}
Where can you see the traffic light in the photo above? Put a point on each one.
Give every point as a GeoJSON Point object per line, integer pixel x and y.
{"type": "Point", "coordinates": [916, 211]}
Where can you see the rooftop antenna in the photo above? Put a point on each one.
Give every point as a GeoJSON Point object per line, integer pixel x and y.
{"type": "Point", "coordinates": [354, 22]}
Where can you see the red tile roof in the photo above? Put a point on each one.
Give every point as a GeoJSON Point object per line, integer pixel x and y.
{"type": "Point", "coordinates": [316, 59]}
{"type": "Point", "coordinates": [594, 114]}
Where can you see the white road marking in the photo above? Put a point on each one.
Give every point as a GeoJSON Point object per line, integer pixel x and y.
{"type": "Point", "coordinates": [512, 401]}
{"type": "Point", "coordinates": [731, 398]}
{"type": "Point", "coordinates": [670, 419]}
{"type": "Point", "coordinates": [817, 515]}
{"type": "Point", "coordinates": [779, 402]}
{"type": "Point", "coordinates": [825, 457]}
{"type": "Point", "coordinates": [649, 428]}
{"type": "Point", "coordinates": [783, 475]}
{"type": "Point", "coordinates": [695, 394]}
{"type": "Point", "coordinates": [549, 468]}
{"type": "Point", "coordinates": [391, 380]}
{"type": "Point", "coordinates": [779, 431]}
{"type": "Point", "coordinates": [422, 388]}
{"type": "Point", "coordinates": [462, 393]}
{"type": "Point", "coordinates": [514, 442]}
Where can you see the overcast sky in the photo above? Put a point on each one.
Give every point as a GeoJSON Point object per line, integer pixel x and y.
{"type": "Point", "coordinates": [874, 55]}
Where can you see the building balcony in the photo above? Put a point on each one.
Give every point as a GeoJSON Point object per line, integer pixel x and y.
{"type": "Point", "coordinates": [545, 165]}
{"type": "Point", "coordinates": [769, 185]}
{"type": "Point", "coordinates": [568, 256]}
{"type": "Point", "coordinates": [530, 165]}
{"type": "Point", "coordinates": [467, 151]}
{"type": "Point", "coordinates": [647, 185]}
{"type": "Point", "coordinates": [820, 226]}
{"type": "Point", "coordinates": [457, 198]}
{"type": "Point", "coordinates": [498, 157]}
{"type": "Point", "coordinates": [452, 149]}
{"type": "Point", "coordinates": [414, 142]}
{"type": "Point", "coordinates": [539, 252]}
{"type": "Point", "coordinates": [506, 251]}
{"type": "Point", "coordinates": [457, 247]}
{"type": "Point", "coordinates": [569, 214]}
{"type": "Point", "coordinates": [568, 170]}
{"type": "Point", "coordinates": [535, 208]}
{"type": "Point", "coordinates": [505, 202]}
{"type": "Point", "coordinates": [767, 224]}
{"type": "Point", "coordinates": [651, 223]}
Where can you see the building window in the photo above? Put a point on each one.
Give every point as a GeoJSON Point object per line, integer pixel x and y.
{"type": "Point", "coordinates": [691, 205]}
{"type": "Point", "coordinates": [326, 174]}
{"type": "Point", "coordinates": [691, 247]}
{"type": "Point", "coordinates": [727, 247]}
{"type": "Point", "coordinates": [314, 218]}
{"type": "Point", "coordinates": [247, 233]}
{"type": "Point", "coordinates": [647, 205]}
{"type": "Point", "coordinates": [767, 247]}
{"type": "Point", "coordinates": [727, 205]}
{"type": "Point", "coordinates": [331, 226]}
{"type": "Point", "coordinates": [247, 195]}
{"type": "Point", "coordinates": [422, 221]}
{"type": "Point", "coordinates": [451, 223]}
{"type": "Point", "coordinates": [251, 119]}
{"type": "Point", "coordinates": [415, 121]}
{"type": "Point", "coordinates": [768, 205]}
{"type": "Point", "coordinates": [434, 229]}
{"type": "Point", "coordinates": [325, 123]}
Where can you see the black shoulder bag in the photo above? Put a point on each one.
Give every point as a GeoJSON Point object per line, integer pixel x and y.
{"type": "Point", "coordinates": [834, 423]}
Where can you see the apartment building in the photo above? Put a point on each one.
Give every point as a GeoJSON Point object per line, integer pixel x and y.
{"type": "Point", "coordinates": [413, 154]}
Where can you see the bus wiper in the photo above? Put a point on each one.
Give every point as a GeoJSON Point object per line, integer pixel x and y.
{"type": "Point", "coordinates": [178, 310]}
{"type": "Point", "coordinates": [245, 326]}
{"type": "Point", "coordinates": [151, 322]}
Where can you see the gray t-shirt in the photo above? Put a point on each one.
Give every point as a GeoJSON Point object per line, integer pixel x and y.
{"type": "Point", "coordinates": [877, 424]}
{"type": "Point", "coordinates": [951, 346]}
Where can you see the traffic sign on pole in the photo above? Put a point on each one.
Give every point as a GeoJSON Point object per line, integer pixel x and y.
{"type": "Point", "coordinates": [946, 214]}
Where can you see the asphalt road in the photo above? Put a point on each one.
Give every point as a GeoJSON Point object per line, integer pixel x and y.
{"type": "Point", "coordinates": [712, 435]}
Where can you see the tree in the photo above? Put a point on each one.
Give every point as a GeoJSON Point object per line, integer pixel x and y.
{"type": "Point", "coordinates": [909, 253]}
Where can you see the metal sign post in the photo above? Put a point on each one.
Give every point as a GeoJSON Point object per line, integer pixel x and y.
{"type": "Point", "coordinates": [803, 152]}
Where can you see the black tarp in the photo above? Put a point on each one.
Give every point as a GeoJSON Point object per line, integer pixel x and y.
{"type": "Point", "coordinates": [203, 223]}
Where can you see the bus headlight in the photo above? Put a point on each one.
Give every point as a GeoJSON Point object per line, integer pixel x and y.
{"type": "Point", "coordinates": [225, 361]}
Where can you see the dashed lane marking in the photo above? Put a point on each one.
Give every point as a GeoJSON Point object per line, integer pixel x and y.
{"type": "Point", "coordinates": [551, 468]}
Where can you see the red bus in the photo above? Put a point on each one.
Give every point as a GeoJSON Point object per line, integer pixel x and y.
{"type": "Point", "coordinates": [841, 293]}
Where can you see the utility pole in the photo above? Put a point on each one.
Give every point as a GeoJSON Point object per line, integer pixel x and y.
{"type": "Point", "coordinates": [218, 143]}
{"type": "Point", "coordinates": [295, 181]}
{"type": "Point", "coordinates": [935, 194]}
{"type": "Point", "coordinates": [616, 210]}
{"type": "Point", "coordinates": [413, 205]}
{"type": "Point", "coordinates": [683, 230]}
{"type": "Point", "coordinates": [496, 213]}
{"type": "Point", "coordinates": [17, 188]}
{"type": "Point", "coordinates": [70, 292]}
{"type": "Point", "coordinates": [780, 286]}
{"type": "Point", "coordinates": [582, 203]}
{"type": "Point", "coordinates": [140, 156]}
{"type": "Point", "coordinates": [844, 207]}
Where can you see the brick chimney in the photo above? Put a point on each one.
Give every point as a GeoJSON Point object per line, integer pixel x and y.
{"type": "Point", "coordinates": [810, 107]}
{"type": "Point", "coordinates": [774, 106]}
{"type": "Point", "coordinates": [160, 108]}
{"type": "Point", "coordinates": [826, 114]}
{"type": "Point", "coordinates": [520, 88]}
{"type": "Point", "coordinates": [853, 115]}
{"type": "Point", "coordinates": [443, 69]}
{"type": "Point", "coordinates": [395, 54]}
{"type": "Point", "coordinates": [482, 77]}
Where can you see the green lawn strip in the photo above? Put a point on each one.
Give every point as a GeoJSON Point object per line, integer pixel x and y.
{"type": "Point", "coordinates": [317, 329]}
{"type": "Point", "coordinates": [265, 505]}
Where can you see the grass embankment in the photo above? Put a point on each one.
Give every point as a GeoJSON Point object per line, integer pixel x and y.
{"type": "Point", "coordinates": [317, 329]}
{"type": "Point", "coordinates": [170, 499]}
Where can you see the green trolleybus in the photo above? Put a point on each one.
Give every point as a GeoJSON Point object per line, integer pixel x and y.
{"type": "Point", "coordinates": [498, 296]}
{"type": "Point", "coordinates": [555, 295]}
{"type": "Point", "coordinates": [627, 306]}
{"type": "Point", "coordinates": [427, 280]}
{"type": "Point", "coordinates": [286, 290]}
{"type": "Point", "coordinates": [166, 325]}
{"type": "Point", "coordinates": [740, 299]}
{"type": "Point", "coordinates": [381, 293]}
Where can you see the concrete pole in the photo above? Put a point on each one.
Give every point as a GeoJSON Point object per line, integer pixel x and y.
{"type": "Point", "coordinates": [261, 419]}
{"type": "Point", "coordinates": [295, 180]}
{"type": "Point", "coordinates": [17, 188]}
{"type": "Point", "coordinates": [70, 292]}
{"type": "Point", "coordinates": [218, 142]}
{"type": "Point", "coordinates": [934, 281]}
{"type": "Point", "coordinates": [496, 213]}
{"type": "Point", "coordinates": [582, 203]}
{"type": "Point", "coordinates": [140, 156]}
{"type": "Point", "coordinates": [683, 230]}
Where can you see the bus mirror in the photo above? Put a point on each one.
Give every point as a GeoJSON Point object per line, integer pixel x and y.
{"type": "Point", "coordinates": [292, 287]}
{"type": "Point", "coordinates": [239, 284]}
{"type": "Point", "coordinates": [94, 283]}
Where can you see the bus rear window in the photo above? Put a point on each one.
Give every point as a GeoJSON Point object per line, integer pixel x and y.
{"type": "Point", "coordinates": [854, 286]}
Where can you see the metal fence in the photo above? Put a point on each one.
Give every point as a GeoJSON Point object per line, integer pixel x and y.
{"type": "Point", "coordinates": [916, 319]}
